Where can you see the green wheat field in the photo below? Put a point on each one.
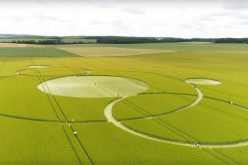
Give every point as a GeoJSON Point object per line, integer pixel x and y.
{"type": "Point", "coordinates": [165, 103]}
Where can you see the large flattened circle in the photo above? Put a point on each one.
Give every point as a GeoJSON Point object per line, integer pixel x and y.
{"type": "Point", "coordinates": [93, 86]}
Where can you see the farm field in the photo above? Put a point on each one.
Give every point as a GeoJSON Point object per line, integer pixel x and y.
{"type": "Point", "coordinates": [166, 103]}
{"type": "Point", "coordinates": [29, 51]}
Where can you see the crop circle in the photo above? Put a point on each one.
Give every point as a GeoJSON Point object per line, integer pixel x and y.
{"type": "Point", "coordinates": [93, 86]}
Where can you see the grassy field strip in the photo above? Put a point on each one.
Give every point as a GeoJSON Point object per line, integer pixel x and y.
{"type": "Point", "coordinates": [69, 139]}
{"type": "Point", "coordinates": [181, 47]}
{"type": "Point", "coordinates": [10, 45]}
{"type": "Point", "coordinates": [71, 131]}
{"type": "Point", "coordinates": [67, 121]}
{"type": "Point", "coordinates": [110, 51]}
{"type": "Point", "coordinates": [61, 113]}
{"type": "Point", "coordinates": [3, 64]}
{"type": "Point", "coordinates": [70, 125]}
{"type": "Point", "coordinates": [33, 52]}
{"type": "Point", "coordinates": [186, 47]}
{"type": "Point", "coordinates": [13, 45]}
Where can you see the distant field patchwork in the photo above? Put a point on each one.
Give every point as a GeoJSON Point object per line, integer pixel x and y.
{"type": "Point", "coordinates": [33, 52]}
{"type": "Point", "coordinates": [110, 51]}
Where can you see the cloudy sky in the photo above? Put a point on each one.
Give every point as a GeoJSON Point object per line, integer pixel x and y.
{"type": "Point", "coordinates": [219, 18]}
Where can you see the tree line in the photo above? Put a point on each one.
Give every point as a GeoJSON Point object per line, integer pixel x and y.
{"type": "Point", "coordinates": [58, 41]}
{"type": "Point", "coordinates": [231, 40]}
{"type": "Point", "coordinates": [134, 40]}
{"type": "Point", "coordinates": [126, 40]}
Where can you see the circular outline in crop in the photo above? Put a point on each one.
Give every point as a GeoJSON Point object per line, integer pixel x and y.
{"type": "Point", "coordinates": [20, 72]}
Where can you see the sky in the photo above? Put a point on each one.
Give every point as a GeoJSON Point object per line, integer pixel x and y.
{"type": "Point", "coordinates": [154, 18]}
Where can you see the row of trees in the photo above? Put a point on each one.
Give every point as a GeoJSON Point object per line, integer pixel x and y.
{"type": "Point", "coordinates": [231, 40]}
{"type": "Point", "coordinates": [126, 40]}
{"type": "Point", "coordinates": [47, 42]}
{"type": "Point", "coordinates": [133, 40]}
